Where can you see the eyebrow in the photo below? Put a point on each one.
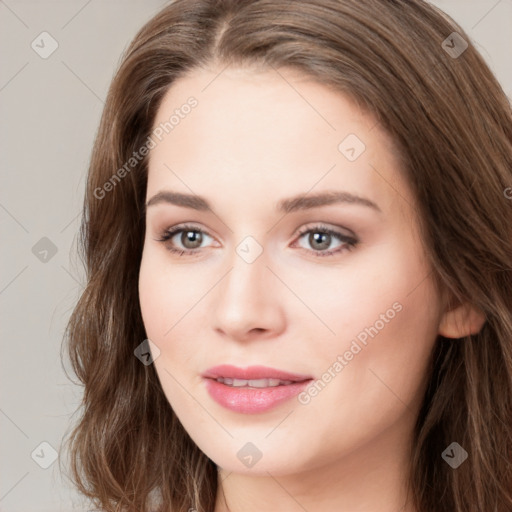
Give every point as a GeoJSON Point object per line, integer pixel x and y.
{"type": "Point", "coordinates": [289, 205]}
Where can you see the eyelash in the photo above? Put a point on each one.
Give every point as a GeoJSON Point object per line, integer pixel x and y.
{"type": "Point", "coordinates": [349, 242]}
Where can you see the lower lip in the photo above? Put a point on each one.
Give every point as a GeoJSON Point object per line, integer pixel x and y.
{"type": "Point", "coordinates": [252, 400]}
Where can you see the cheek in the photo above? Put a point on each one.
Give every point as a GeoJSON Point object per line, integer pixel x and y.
{"type": "Point", "coordinates": [383, 289]}
{"type": "Point", "coordinates": [169, 299]}
{"type": "Point", "coordinates": [385, 319]}
{"type": "Point", "coordinates": [152, 298]}
{"type": "Point", "coordinates": [165, 294]}
{"type": "Point", "coordinates": [158, 303]}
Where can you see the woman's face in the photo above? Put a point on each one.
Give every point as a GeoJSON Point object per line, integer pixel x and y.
{"type": "Point", "coordinates": [263, 283]}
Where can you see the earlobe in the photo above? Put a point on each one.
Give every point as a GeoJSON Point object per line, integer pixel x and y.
{"type": "Point", "coordinates": [461, 320]}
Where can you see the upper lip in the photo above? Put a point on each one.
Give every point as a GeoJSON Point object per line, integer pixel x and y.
{"type": "Point", "coordinates": [252, 373]}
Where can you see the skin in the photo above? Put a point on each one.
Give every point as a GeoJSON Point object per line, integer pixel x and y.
{"type": "Point", "coordinates": [254, 138]}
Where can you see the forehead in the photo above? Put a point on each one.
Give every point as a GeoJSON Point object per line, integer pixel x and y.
{"type": "Point", "coordinates": [273, 129]}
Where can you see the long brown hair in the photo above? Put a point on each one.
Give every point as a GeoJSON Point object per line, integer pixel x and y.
{"type": "Point", "coordinates": [453, 125]}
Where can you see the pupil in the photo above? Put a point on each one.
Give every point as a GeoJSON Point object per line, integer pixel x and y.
{"type": "Point", "coordinates": [316, 237]}
{"type": "Point", "coordinates": [193, 237]}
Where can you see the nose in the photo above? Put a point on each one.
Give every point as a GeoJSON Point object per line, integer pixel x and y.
{"type": "Point", "coordinates": [248, 303]}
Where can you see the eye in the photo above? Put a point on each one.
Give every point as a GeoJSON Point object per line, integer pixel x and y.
{"type": "Point", "coordinates": [190, 237]}
{"type": "Point", "coordinates": [320, 237]}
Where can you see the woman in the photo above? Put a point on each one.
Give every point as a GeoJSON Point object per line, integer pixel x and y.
{"type": "Point", "coordinates": [297, 237]}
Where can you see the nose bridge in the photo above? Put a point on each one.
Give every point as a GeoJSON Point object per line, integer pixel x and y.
{"type": "Point", "coordinates": [248, 273]}
{"type": "Point", "coordinates": [244, 301]}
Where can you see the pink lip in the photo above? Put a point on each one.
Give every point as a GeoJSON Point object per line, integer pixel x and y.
{"type": "Point", "coordinates": [252, 372]}
{"type": "Point", "coordinates": [252, 400]}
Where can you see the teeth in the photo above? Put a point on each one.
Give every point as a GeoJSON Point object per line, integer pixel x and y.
{"type": "Point", "coordinates": [255, 383]}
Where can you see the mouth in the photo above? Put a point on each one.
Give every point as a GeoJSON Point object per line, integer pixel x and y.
{"type": "Point", "coordinates": [252, 390]}
{"type": "Point", "coordinates": [233, 375]}
{"type": "Point", "coordinates": [254, 383]}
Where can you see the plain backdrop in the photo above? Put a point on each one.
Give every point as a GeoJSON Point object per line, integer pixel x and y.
{"type": "Point", "coordinates": [50, 107]}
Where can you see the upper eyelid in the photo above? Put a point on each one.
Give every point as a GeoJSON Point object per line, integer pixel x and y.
{"type": "Point", "coordinates": [319, 226]}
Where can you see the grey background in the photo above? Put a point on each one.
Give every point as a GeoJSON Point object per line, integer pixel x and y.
{"type": "Point", "coordinates": [50, 110]}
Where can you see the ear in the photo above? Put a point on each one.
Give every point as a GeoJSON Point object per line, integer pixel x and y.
{"type": "Point", "coordinates": [461, 320]}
